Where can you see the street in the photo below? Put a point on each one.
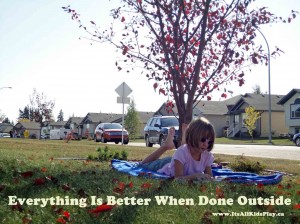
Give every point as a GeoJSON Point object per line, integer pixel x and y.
{"type": "Point", "coordinates": [265, 151]}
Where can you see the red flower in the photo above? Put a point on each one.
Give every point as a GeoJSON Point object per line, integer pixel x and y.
{"type": "Point", "coordinates": [44, 169]}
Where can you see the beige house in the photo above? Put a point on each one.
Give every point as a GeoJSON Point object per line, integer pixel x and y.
{"type": "Point", "coordinates": [261, 103]}
{"type": "Point", "coordinates": [33, 128]}
{"type": "Point", "coordinates": [291, 104]}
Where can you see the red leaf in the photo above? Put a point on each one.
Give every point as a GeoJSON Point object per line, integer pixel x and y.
{"type": "Point", "coordinates": [66, 214]}
{"type": "Point", "coordinates": [146, 185]}
{"type": "Point", "coordinates": [27, 174]}
{"type": "Point", "coordinates": [102, 208]}
{"type": "Point", "coordinates": [296, 206]}
{"type": "Point", "coordinates": [260, 186]}
{"type": "Point", "coordinates": [139, 1]}
{"type": "Point", "coordinates": [123, 19]}
{"type": "Point", "coordinates": [61, 220]}
{"type": "Point", "coordinates": [39, 181]}
{"type": "Point", "coordinates": [155, 85]}
{"type": "Point", "coordinates": [125, 50]}
{"type": "Point", "coordinates": [2, 187]}
{"type": "Point", "coordinates": [208, 98]}
{"type": "Point", "coordinates": [130, 185]}
{"type": "Point", "coordinates": [66, 187]}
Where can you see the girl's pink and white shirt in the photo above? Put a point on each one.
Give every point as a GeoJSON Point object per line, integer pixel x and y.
{"type": "Point", "coordinates": [190, 165]}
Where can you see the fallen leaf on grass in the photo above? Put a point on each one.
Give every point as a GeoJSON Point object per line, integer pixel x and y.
{"type": "Point", "coordinates": [102, 208]}
{"type": "Point", "coordinates": [296, 206]}
{"type": "Point", "coordinates": [39, 181]}
{"type": "Point", "coordinates": [26, 174]}
{"type": "Point", "coordinates": [2, 187]}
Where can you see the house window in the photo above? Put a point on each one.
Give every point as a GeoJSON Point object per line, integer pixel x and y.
{"type": "Point", "coordinates": [295, 109]}
{"type": "Point", "coordinates": [88, 126]}
{"type": "Point", "coordinates": [244, 116]}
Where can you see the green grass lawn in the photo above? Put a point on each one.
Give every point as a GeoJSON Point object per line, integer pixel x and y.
{"type": "Point", "coordinates": [76, 190]}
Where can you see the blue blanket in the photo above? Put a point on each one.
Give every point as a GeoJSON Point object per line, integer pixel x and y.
{"type": "Point", "coordinates": [132, 168]}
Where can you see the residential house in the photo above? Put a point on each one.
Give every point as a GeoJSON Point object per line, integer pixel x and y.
{"type": "Point", "coordinates": [143, 118]}
{"type": "Point", "coordinates": [91, 120]}
{"type": "Point", "coordinates": [33, 128]}
{"type": "Point", "coordinates": [260, 102]}
{"type": "Point", "coordinates": [291, 104]}
{"type": "Point", "coordinates": [228, 116]}
{"type": "Point", "coordinates": [57, 125]}
{"type": "Point", "coordinates": [74, 123]}
{"type": "Point", "coordinates": [6, 127]}
{"type": "Point", "coordinates": [214, 111]}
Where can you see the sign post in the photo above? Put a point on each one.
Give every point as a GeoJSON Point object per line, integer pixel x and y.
{"type": "Point", "coordinates": [123, 90]}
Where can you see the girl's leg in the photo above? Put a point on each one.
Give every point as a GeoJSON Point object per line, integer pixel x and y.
{"type": "Point", "coordinates": [167, 145]}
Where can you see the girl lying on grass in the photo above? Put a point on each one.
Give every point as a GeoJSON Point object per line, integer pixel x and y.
{"type": "Point", "coordinates": [191, 160]}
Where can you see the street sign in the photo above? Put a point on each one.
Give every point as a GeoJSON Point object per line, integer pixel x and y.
{"type": "Point", "coordinates": [123, 90]}
{"type": "Point", "coordinates": [125, 100]}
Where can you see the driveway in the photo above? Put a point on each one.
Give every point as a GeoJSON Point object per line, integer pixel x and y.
{"type": "Point", "coordinates": [265, 151]}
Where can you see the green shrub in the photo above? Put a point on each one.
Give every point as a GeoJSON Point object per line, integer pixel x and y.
{"type": "Point", "coordinates": [243, 164]}
{"type": "Point", "coordinates": [106, 154]}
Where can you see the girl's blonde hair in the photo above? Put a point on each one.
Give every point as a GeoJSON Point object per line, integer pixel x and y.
{"type": "Point", "coordinates": [199, 129]}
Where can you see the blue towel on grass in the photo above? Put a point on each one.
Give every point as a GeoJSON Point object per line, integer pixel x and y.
{"type": "Point", "coordinates": [132, 168]}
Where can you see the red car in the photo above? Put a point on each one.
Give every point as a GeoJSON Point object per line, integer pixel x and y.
{"type": "Point", "coordinates": [110, 132]}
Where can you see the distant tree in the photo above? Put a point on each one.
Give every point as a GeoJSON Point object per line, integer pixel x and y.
{"type": "Point", "coordinates": [24, 120]}
{"type": "Point", "coordinates": [2, 116]}
{"type": "Point", "coordinates": [25, 113]}
{"type": "Point", "coordinates": [250, 120]}
{"type": "Point", "coordinates": [132, 121]}
{"type": "Point", "coordinates": [6, 120]}
{"type": "Point", "coordinates": [60, 116]}
{"type": "Point", "coordinates": [256, 89]}
{"type": "Point", "coordinates": [41, 107]}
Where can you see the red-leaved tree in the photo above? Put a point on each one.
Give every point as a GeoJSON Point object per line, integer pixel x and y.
{"type": "Point", "coordinates": [41, 108]}
{"type": "Point", "coordinates": [188, 47]}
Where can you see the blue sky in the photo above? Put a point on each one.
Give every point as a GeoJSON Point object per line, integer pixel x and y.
{"type": "Point", "coordinates": [41, 49]}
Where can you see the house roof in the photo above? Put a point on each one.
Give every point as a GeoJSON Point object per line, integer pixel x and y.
{"type": "Point", "coordinates": [5, 127]}
{"type": "Point", "coordinates": [144, 116]}
{"type": "Point", "coordinates": [288, 96]}
{"type": "Point", "coordinates": [74, 120]}
{"type": "Point", "coordinates": [259, 101]}
{"type": "Point", "coordinates": [58, 123]}
{"type": "Point", "coordinates": [28, 125]}
{"type": "Point", "coordinates": [100, 117]}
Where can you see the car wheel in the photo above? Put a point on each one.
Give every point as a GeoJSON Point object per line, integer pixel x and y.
{"type": "Point", "coordinates": [126, 142]}
{"type": "Point", "coordinates": [148, 144]}
{"type": "Point", "coordinates": [95, 139]}
{"type": "Point", "coordinates": [161, 140]}
{"type": "Point", "coordinates": [103, 139]}
{"type": "Point", "coordinates": [297, 142]}
{"type": "Point", "coordinates": [116, 142]}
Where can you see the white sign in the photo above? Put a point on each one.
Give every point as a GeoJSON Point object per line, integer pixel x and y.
{"type": "Point", "coordinates": [123, 90]}
{"type": "Point", "coordinates": [125, 100]}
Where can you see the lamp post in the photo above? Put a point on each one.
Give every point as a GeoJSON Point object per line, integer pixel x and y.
{"type": "Point", "coordinates": [9, 87]}
{"type": "Point", "coordinates": [269, 83]}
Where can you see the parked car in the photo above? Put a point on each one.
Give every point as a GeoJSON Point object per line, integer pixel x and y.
{"type": "Point", "coordinates": [4, 135]}
{"type": "Point", "coordinates": [157, 127]}
{"type": "Point", "coordinates": [110, 132]}
{"type": "Point", "coordinates": [296, 139]}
